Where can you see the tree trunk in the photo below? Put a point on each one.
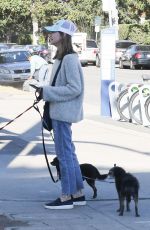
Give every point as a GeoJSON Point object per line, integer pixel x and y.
{"type": "Point", "coordinates": [35, 31]}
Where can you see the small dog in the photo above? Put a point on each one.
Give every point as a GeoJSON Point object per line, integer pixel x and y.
{"type": "Point", "coordinates": [127, 186]}
{"type": "Point", "coordinates": [89, 173]}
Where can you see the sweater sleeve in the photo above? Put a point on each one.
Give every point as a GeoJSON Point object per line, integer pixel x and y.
{"type": "Point", "coordinates": [69, 82]}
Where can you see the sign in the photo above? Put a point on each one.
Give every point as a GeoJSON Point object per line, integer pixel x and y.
{"type": "Point", "coordinates": [108, 5]}
{"type": "Point", "coordinates": [97, 29]}
{"type": "Point", "coordinates": [107, 70]}
{"type": "Point", "coordinates": [97, 21]}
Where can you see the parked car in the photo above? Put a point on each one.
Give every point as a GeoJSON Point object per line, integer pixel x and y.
{"type": "Point", "coordinates": [88, 53]}
{"type": "Point", "coordinates": [43, 51]}
{"type": "Point", "coordinates": [121, 46]}
{"type": "Point", "coordinates": [14, 65]}
{"type": "Point", "coordinates": [91, 51]}
{"type": "Point", "coordinates": [3, 47]}
{"type": "Point", "coordinates": [135, 57]}
{"type": "Point", "coordinates": [98, 58]}
{"type": "Point", "coordinates": [16, 46]}
{"type": "Point", "coordinates": [31, 48]}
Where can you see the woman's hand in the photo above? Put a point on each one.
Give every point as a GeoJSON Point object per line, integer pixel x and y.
{"type": "Point", "coordinates": [39, 91]}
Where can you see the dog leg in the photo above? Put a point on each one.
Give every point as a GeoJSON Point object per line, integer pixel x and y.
{"type": "Point", "coordinates": [128, 200]}
{"type": "Point", "coordinates": [118, 210]}
{"type": "Point", "coordinates": [91, 183]}
{"type": "Point", "coordinates": [122, 199]}
{"type": "Point", "coordinates": [136, 205]}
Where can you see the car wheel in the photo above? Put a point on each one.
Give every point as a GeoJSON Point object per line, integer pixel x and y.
{"type": "Point", "coordinates": [121, 66]}
{"type": "Point", "coordinates": [132, 66]}
{"type": "Point", "coordinates": [97, 61]}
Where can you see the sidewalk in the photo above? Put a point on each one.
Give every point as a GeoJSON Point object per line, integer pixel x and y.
{"type": "Point", "coordinates": [25, 184]}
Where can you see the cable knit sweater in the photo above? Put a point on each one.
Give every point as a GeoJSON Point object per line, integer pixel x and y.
{"type": "Point", "coordinates": [66, 97]}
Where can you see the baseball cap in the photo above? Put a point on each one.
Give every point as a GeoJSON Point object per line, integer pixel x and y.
{"type": "Point", "coordinates": [64, 26]}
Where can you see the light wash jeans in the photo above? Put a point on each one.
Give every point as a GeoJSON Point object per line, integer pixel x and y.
{"type": "Point", "coordinates": [71, 178]}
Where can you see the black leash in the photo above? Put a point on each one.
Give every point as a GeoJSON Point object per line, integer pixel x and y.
{"type": "Point", "coordinates": [35, 102]}
{"type": "Point", "coordinates": [44, 148]}
{"type": "Point", "coordinates": [43, 142]}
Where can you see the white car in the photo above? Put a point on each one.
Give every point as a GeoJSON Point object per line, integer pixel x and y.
{"type": "Point", "coordinates": [91, 51]}
{"type": "Point", "coordinates": [87, 54]}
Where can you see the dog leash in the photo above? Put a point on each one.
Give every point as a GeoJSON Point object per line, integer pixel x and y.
{"type": "Point", "coordinates": [32, 106]}
{"type": "Point", "coordinates": [100, 180]}
{"type": "Point", "coordinates": [44, 148]}
{"type": "Point", "coordinates": [43, 142]}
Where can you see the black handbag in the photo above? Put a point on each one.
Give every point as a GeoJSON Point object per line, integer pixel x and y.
{"type": "Point", "coordinates": [47, 121]}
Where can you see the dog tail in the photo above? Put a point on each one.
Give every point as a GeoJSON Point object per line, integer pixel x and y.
{"type": "Point", "coordinates": [102, 176]}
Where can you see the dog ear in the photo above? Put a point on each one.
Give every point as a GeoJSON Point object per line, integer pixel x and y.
{"type": "Point", "coordinates": [114, 165]}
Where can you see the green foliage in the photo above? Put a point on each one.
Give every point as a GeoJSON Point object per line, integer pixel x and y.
{"type": "Point", "coordinates": [135, 32]}
{"type": "Point", "coordinates": [140, 33]}
{"type": "Point", "coordinates": [130, 11]}
{"type": "Point", "coordinates": [16, 17]}
{"type": "Point", "coordinates": [123, 31]}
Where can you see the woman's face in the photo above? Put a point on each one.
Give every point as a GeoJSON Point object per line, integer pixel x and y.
{"type": "Point", "coordinates": [55, 38]}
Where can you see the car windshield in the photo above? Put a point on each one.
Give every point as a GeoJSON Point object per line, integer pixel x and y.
{"type": "Point", "coordinates": [124, 45]}
{"type": "Point", "coordinates": [11, 57]}
{"type": "Point", "coordinates": [143, 48]}
{"type": "Point", "coordinates": [91, 44]}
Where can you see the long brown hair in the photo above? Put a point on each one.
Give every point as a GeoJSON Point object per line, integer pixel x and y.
{"type": "Point", "coordinates": [66, 46]}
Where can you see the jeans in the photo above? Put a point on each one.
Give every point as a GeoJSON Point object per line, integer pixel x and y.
{"type": "Point", "coordinates": [71, 177]}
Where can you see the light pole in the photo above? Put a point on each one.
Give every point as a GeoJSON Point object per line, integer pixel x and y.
{"type": "Point", "coordinates": [110, 6]}
{"type": "Point", "coordinates": [107, 70]}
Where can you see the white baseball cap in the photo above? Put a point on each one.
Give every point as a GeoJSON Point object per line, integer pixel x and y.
{"type": "Point", "coordinates": [64, 26]}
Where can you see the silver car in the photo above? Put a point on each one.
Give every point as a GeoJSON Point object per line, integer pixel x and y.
{"type": "Point", "coordinates": [121, 46]}
{"type": "Point", "coordinates": [14, 65]}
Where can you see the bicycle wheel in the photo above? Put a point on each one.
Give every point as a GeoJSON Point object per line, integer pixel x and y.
{"type": "Point", "coordinates": [147, 109]}
{"type": "Point", "coordinates": [135, 108]}
{"type": "Point", "coordinates": [122, 106]}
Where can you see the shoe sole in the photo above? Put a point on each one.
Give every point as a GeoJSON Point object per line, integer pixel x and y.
{"type": "Point", "coordinates": [59, 207]}
{"type": "Point", "coordinates": [79, 203]}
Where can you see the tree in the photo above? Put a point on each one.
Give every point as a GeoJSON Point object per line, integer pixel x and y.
{"type": "Point", "coordinates": [13, 19]}
{"type": "Point", "coordinates": [21, 18]}
{"type": "Point", "coordinates": [130, 11]}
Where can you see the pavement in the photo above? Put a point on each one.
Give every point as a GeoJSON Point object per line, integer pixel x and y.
{"type": "Point", "coordinates": [25, 184]}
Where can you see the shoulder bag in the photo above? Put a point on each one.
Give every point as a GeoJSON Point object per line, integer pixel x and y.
{"type": "Point", "coordinates": [47, 122]}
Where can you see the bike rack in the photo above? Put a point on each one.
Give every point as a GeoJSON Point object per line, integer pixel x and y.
{"type": "Point", "coordinates": [114, 90]}
{"type": "Point", "coordinates": [144, 93]}
{"type": "Point", "coordinates": [133, 88]}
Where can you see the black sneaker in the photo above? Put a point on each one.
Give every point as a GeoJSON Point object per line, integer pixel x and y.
{"type": "Point", "coordinates": [58, 204]}
{"type": "Point", "coordinates": [79, 201]}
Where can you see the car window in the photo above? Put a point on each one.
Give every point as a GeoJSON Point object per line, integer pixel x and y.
{"type": "Point", "coordinates": [91, 44]}
{"type": "Point", "coordinates": [143, 48]}
{"type": "Point", "coordinates": [11, 57]}
{"type": "Point", "coordinates": [124, 45]}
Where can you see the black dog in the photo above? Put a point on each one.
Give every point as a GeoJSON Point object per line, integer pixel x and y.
{"type": "Point", "coordinates": [127, 186]}
{"type": "Point", "coordinates": [89, 173]}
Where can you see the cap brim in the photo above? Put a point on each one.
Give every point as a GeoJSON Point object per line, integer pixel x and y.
{"type": "Point", "coordinates": [53, 28]}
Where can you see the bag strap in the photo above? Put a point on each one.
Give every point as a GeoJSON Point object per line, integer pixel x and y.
{"type": "Point", "coordinates": [54, 79]}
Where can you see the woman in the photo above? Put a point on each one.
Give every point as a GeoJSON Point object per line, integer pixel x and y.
{"type": "Point", "coordinates": [66, 107]}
